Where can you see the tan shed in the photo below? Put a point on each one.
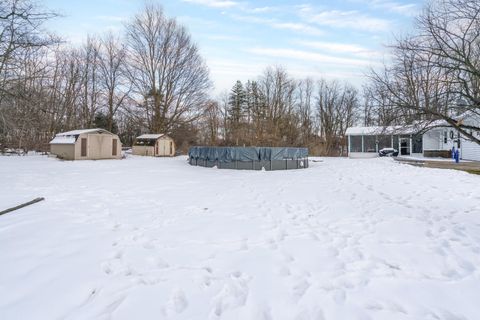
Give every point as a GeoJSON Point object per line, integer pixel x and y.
{"type": "Point", "coordinates": [86, 144]}
{"type": "Point", "coordinates": [156, 145]}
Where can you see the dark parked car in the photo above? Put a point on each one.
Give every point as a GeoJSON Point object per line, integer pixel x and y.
{"type": "Point", "coordinates": [388, 152]}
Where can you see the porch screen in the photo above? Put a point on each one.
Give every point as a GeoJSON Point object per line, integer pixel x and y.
{"type": "Point", "coordinates": [417, 146]}
{"type": "Point", "coordinates": [369, 144]}
{"type": "Point", "coordinates": [395, 143]}
{"type": "Point", "coordinates": [355, 143]}
{"type": "Point", "coordinates": [384, 142]}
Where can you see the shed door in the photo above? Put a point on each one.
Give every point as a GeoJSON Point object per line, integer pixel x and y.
{"type": "Point", "coordinates": [83, 147]}
{"type": "Point", "coordinates": [114, 147]}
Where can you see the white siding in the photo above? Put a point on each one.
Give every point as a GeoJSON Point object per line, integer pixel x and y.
{"type": "Point", "coordinates": [432, 140]}
{"type": "Point", "coordinates": [470, 150]}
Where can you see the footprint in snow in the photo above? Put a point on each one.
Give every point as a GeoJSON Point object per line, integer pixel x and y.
{"type": "Point", "coordinates": [299, 289]}
{"type": "Point", "coordinates": [233, 294]}
{"type": "Point", "coordinates": [282, 271]}
{"type": "Point", "coordinates": [339, 296]}
{"type": "Point", "coordinates": [310, 315]}
{"type": "Point", "coordinates": [177, 302]}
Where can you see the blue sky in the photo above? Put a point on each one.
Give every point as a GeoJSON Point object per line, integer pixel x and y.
{"type": "Point", "coordinates": [239, 39]}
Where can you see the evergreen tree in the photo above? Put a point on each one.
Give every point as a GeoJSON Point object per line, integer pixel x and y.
{"type": "Point", "coordinates": [101, 121]}
{"type": "Point", "coordinates": [237, 102]}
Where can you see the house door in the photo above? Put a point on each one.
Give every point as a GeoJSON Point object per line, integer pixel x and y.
{"type": "Point", "coordinates": [404, 146]}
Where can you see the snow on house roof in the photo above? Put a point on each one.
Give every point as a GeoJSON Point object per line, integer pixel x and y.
{"type": "Point", "coordinates": [352, 131]}
{"type": "Point", "coordinates": [151, 136]}
{"type": "Point", "coordinates": [418, 127]}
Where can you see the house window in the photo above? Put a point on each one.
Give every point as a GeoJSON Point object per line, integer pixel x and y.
{"type": "Point", "coordinates": [114, 147]}
{"type": "Point", "coordinates": [445, 137]}
{"type": "Point", "coordinates": [451, 134]}
{"type": "Point", "coordinates": [83, 147]}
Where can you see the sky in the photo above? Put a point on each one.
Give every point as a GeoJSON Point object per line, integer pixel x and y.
{"type": "Point", "coordinates": [239, 39]}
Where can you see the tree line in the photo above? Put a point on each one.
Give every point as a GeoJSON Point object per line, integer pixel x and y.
{"type": "Point", "coordinates": [278, 110]}
{"type": "Point", "coordinates": [152, 78]}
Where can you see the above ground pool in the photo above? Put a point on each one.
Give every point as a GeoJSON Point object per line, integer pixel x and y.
{"type": "Point", "coordinates": [249, 158]}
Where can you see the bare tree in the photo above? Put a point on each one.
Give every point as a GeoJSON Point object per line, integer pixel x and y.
{"type": "Point", "coordinates": [22, 39]}
{"type": "Point", "coordinates": [436, 67]}
{"type": "Point", "coordinates": [305, 112]}
{"type": "Point", "coordinates": [166, 70]}
{"type": "Point", "coordinates": [337, 108]}
{"type": "Point", "coordinates": [115, 83]}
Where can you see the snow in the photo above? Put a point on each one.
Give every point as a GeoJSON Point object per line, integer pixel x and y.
{"type": "Point", "coordinates": [422, 158]}
{"type": "Point", "coordinates": [150, 136]}
{"type": "Point", "coordinates": [70, 137]}
{"type": "Point", "coordinates": [59, 139]}
{"type": "Point", "coordinates": [81, 131]}
{"type": "Point", "coordinates": [155, 238]}
{"type": "Point", "coordinates": [396, 130]}
{"type": "Point", "coordinates": [352, 131]}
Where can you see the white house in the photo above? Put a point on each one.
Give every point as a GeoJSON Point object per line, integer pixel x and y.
{"type": "Point", "coordinates": [437, 140]}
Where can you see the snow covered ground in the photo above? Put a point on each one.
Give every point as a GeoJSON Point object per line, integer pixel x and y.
{"type": "Point", "coordinates": [147, 238]}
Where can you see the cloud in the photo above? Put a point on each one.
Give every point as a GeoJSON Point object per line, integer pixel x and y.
{"type": "Point", "coordinates": [276, 24]}
{"type": "Point", "coordinates": [224, 37]}
{"type": "Point", "coordinates": [343, 19]}
{"type": "Point", "coordinates": [263, 9]}
{"type": "Point", "coordinates": [215, 3]}
{"type": "Point", "coordinates": [407, 9]}
{"type": "Point", "coordinates": [301, 55]}
{"type": "Point", "coordinates": [343, 48]}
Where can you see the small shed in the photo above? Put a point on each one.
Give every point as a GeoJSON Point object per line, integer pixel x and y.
{"type": "Point", "coordinates": [86, 144]}
{"type": "Point", "coordinates": [155, 145]}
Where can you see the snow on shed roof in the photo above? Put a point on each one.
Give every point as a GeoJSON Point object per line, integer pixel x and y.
{"type": "Point", "coordinates": [78, 132]}
{"type": "Point", "coordinates": [63, 140]}
{"type": "Point", "coordinates": [152, 136]}
{"type": "Point", "coordinates": [70, 137]}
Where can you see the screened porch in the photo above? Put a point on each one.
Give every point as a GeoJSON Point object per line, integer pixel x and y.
{"type": "Point", "coordinates": [371, 144]}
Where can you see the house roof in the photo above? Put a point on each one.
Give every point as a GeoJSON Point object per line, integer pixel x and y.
{"type": "Point", "coordinates": [417, 127]}
{"type": "Point", "coordinates": [151, 136]}
{"type": "Point", "coordinates": [352, 131]}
